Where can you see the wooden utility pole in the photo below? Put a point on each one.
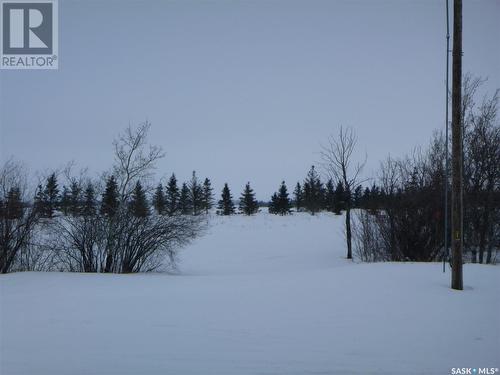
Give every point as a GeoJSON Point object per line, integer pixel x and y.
{"type": "Point", "coordinates": [447, 137]}
{"type": "Point", "coordinates": [456, 152]}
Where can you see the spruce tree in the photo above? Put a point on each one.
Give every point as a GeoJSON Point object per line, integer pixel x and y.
{"type": "Point", "coordinates": [330, 196]}
{"type": "Point", "coordinates": [89, 201]}
{"type": "Point", "coordinates": [138, 204]}
{"type": "Point", "coordinates": [273, 205]}
{"type": "Point", "coordinates": [283, 201]}
{"type": "Point", "coordinates": [110, 198]}
{"type": "Point", "coordinates": [65, 203]}
{"type": "Point", "coordinates": [13, 205]}
{"type": "Point", "coordinates": [195, 194]}
{"type": "Point", "coordinates": [51, 195]}
{"type": "Point", "coordinates": [39, 202]}
{"type": "Point", "coordinates": [47, 198]}
{"type": "Point", "coordinates": [184, 204]}
{"type": "Point", "coordinates": [172, 196]}
{"type": "Point", "coordinates": [411, 188]}
{"type": "Point", "coordinates": [75, 198]}
{"type": "Point", "coordinates": [159, 202]}
{"type": "Point", "coordinates": [226, 205]}
{"type": "Point", "coordinates": [248, 203]}
{"type": "Point", "coordinates": [298, 197]}
{"type": "Point", "coordinates": [313, 192]}
{"type": "Point", "coordinates": [358, 193]}
{"type": "Point", "coordinates": [365, 199]}
{"type": "Point", "coordinates": [207, 196]}
{"type": "Point", "coordinates": [339, 199]}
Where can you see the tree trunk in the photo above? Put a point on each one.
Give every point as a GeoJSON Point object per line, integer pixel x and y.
{"type": "Point", "coordinates": [392, 235]}
{"type": "Point", "coordinates": [348, 232]}
{"type": "Point", "coordinates": [488, 254]}
{"type": "Point", "coordinates": [109, 263]}
{"type": "Point", "coordinates": [481, 245]}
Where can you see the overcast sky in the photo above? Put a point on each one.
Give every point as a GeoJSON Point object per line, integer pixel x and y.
{"type": "Point", "coordinates": [241, 90]}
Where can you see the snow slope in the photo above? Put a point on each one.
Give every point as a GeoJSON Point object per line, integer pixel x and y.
{"type": "Point", "coordinates": [256, 295]}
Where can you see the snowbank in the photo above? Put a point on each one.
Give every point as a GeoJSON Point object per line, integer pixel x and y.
{"type": "Point", "coordinates": [256, 295]}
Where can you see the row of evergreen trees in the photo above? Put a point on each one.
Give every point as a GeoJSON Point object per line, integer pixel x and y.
{"type": "Point", "coordinates": [194, 198]}
{"type": "Point", "coordinates": [191, 198]}
{"type": "Point", "coordinates": [248, 204]}
{"type": "Point", "coordinates": [313, 195]}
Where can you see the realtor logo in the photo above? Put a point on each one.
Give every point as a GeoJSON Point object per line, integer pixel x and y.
{"type": "Point", "coordinates": [29, 34]}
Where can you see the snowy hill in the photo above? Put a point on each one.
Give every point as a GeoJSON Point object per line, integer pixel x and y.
{"type": "Point", "coordinates": [255, 295]}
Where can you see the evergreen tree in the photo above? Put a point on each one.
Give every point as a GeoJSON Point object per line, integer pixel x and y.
{"type": "Point", "coordinates": [110, 198]}
{"type": "Point", "coordinates": [13, 206]}
{"type": "Point", "coordinates": [184, 204]}
{"type": "Point", "coordinates": [207, 195]}
{"type": "Point", "coordinates": [313, 192]}
{"type": "Point", "coordinates": [283, 201]}
{"type": "Point", "coordinates": [75, 198]}
{"type": "Point", "coordinates": [51, 195]}
{"type": "Point", "coordinates": [248, 203]}
{"type": "Point", "coordinates": [358, 193]}
{"type": "Point", "coordinates": [329, 196]}
{"type": "Point", "coordinates": [298, 197]}
{"type": "Point", "coordinates": [365, 200]}
{"type": "Point", "coordinates": [138, 204]}
{"type": "Point", "coordinates": [47, 199]}
{"type": "Point", "coordinates": [172, 196]}
{"type": "Point", "coordinates": [226, 205]}
{"type": "Point", "coordinates": [339, 199]}
{"type": "Point", "coordinates": [89, 201]}
{"type": "Point", "coordinates": [412, 187]}
{"type": "Point", "coordinates": [65, 203]}
{"type": "Point", "coordinates": [273, 205]}
{"type": "Point", "coordinates": [39, 202]}
{"type": "Point", "coordinates": [159, 202]}
{"type": "Point", "coordinates": [195, 194]}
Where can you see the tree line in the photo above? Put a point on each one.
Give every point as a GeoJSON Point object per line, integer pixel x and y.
{"type": "Point", "coordinates": [99, 225]}
{"type": "Point", "coordinates": [191, 198]}
{"type": "Point", "coordinates": [107, 224]}
{"type": "Point", "coordinates": [404, 212]}
{"type": "Point", "coordinates": [122, 222]}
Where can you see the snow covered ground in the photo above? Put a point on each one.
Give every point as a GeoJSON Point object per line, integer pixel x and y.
{"type": "Point", "coordinates": [256, 295]}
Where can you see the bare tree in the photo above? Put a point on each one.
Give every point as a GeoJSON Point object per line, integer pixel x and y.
{"type": "Point", "coordinates": [369, 242]}
{"type": "Point", "coordinates": [482, 177]}
{"type": "Point", "coordinates": [123, 244]}
{"type": "Point", "coordinates": [390, 182]}
{"type": "Point", "coordinates": [134, 158]}
{"type": "Point", "coordinates": [78, 243]}
{"type": "Point", "coordinates": [18, 219]}
{"type": "Point", "coordinates": [145, 244]}
{"type": "Point", "coordinates": [405, 225]}
{"type": "Point", "coordinates": [337, 156]}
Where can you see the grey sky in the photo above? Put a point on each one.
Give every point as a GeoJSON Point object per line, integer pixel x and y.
{"type": "Point", "coordinates": [241, 90]}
